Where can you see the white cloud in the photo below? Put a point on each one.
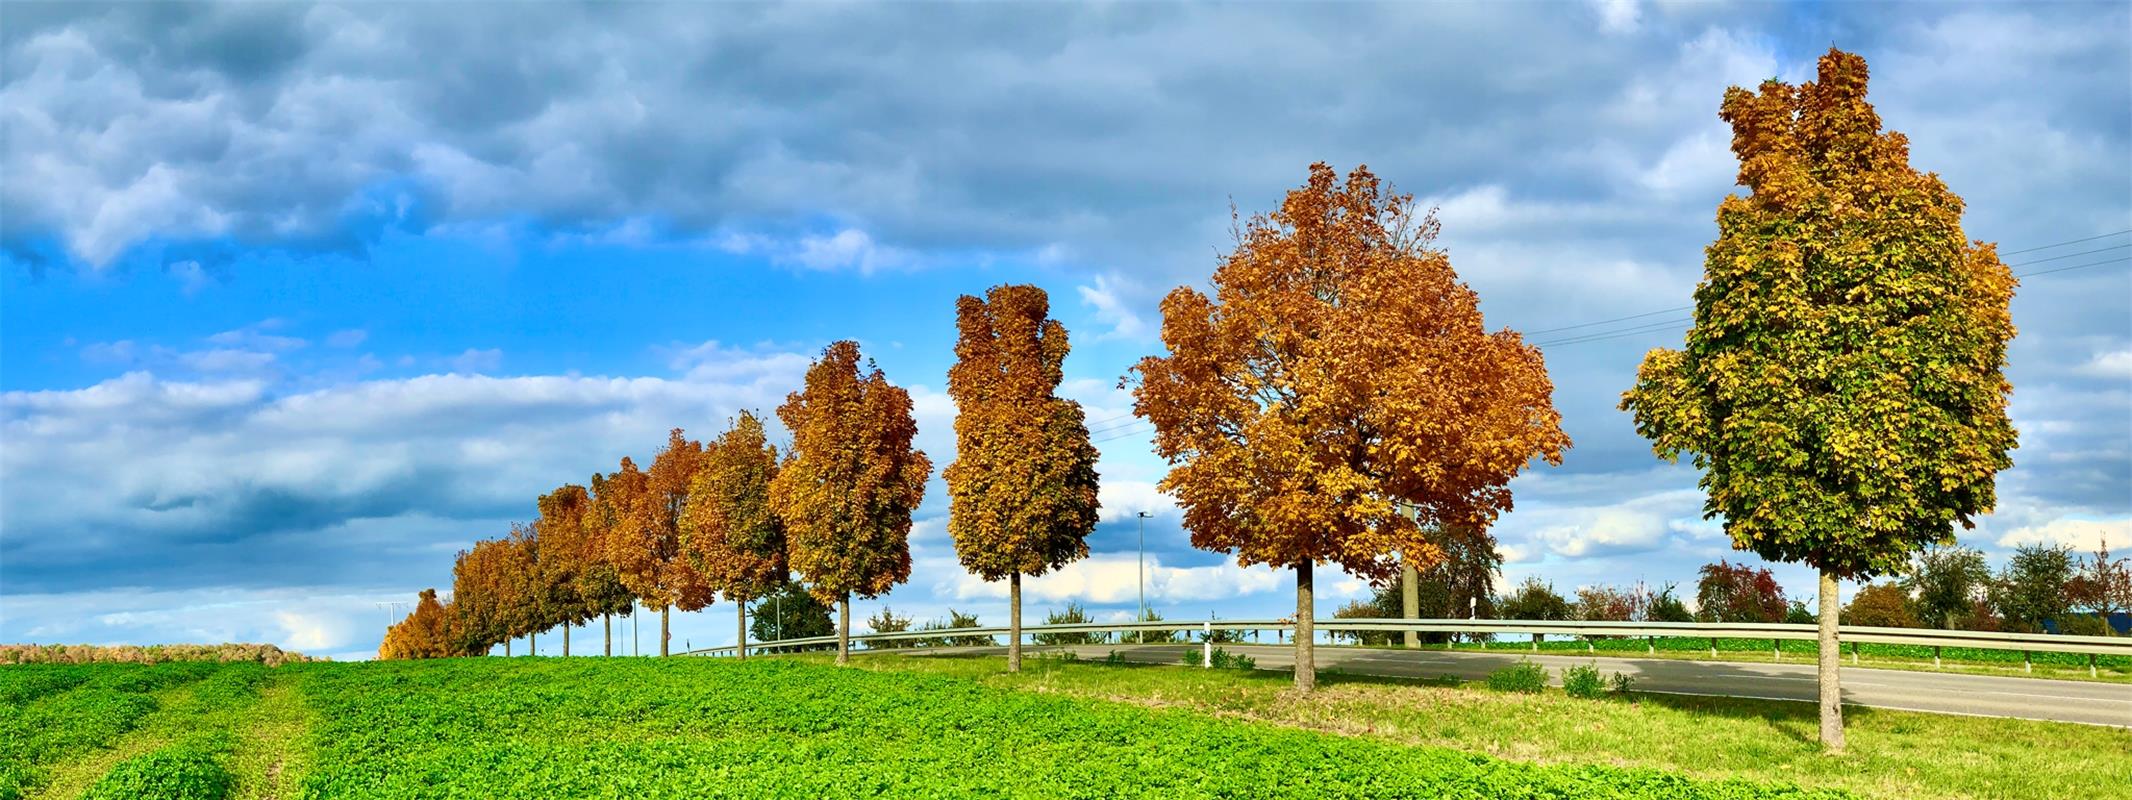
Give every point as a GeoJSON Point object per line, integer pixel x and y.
{"type": "Point", "coordinates": [1618, 16]}
{"type": "Point", "coordinates": [1108, 298]}
{"type": "Point", "coordinates": [347, 338]}
{"type": "Point", "coordinates": [2114, 365]}
{"type": "Point", "coordinates": [477, 361]}
{"type": "Point", "coordinates": [2084, 535]}
{"type": "Point", "coordinates": [1109, 578]}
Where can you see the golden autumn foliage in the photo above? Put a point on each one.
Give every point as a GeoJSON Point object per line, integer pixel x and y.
{"type": "Point", "coordinates": [425, 633]}
{"type": "Point", "coordinates": [851, 481]}
{"type": "Point", "coordinates": [729, 531]}
{"type": "Point", "coordinates": [1337, 385]}
{"type": "Point", "coordinates": [1843, 388]}
{"type": "Point", "coordinates": [1022, 488]}
{"type": "Point", "coordinates": [645, 545]}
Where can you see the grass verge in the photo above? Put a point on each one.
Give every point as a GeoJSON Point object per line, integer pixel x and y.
{"type": "Point", "coordinates": [1892, 754]}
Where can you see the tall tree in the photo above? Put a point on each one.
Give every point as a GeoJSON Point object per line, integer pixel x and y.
{"type": "Point", "coordinates": [1022, 488]}
{"type": "Point", "coordinates": [2033, 586]}
{"type": "Point", "coordinates": [847, 490]}
{"type": "Point", "coordinates": [599, 582]}
{"type": "Point", "coordinates": [1843, 386]}
{"type": "Point", "coordinates": [647, 544]}
{"type": "Point", "coordinates": [563, 533]}
{"type": "Point", "coordinates": [1339, 375]}
{"type": "Point", "coordinates": [729, 531]}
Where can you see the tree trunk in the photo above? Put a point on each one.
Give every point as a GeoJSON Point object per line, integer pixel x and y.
{"type": "Point", "coordinates": [506, 648]}
{"type": "Point", "coordinates": [844, 630]}
{"type": "Point", "coordinates": [741, 651]}
{"type": "Point", "coordinates": [1014, 623]}
{"type": "Point", "coordinates": [607, 622]}
{"type": "Point", "coordinates": [1306, 668]}
{"type": "Point", "coordinates": [1831, 668]}
{"type": "Point", "coordinates": [664, 612]}
{"type": "Point", "coordinates": [533, 644]}
{"type": "Point", "coordinates": [1409, 599]}
{"type": "Point", "coordinates": [566, 640]}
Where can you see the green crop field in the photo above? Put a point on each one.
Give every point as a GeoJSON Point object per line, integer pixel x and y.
{"type": "Point", "coordinates": [903, 726]}
{"type": "Point", "coordinates": [645, 727]}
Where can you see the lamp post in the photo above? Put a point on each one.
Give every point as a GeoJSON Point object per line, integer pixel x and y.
{"type": "Point", "coordinates": [1142, 517]}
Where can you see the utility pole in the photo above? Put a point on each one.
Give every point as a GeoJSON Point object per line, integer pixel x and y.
{"type": "Point", "coordinates": [1142, 517]}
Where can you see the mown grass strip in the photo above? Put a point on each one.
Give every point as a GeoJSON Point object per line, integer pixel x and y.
{"type": "Point", "coordinates": [190, 725]}
{"type": "Point", "coordinates": [274, 751]}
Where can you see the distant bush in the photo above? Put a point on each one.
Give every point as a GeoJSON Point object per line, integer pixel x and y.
{"type": "Point", "coordinates": [149, 654]}
{"type": "Point", "coordinates": [1524, 677]}
{"type": "Point", "coordinates": [2082, 625]}
{"type": "Point", "coordinates": [1073, 615]}
{"type": "Point", "coordinates": [1583, 681]}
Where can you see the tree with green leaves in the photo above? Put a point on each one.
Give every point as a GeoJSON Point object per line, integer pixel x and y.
{"type": "Point", "coordinates": [1536, 600]}
{"type": "Point", "coordinates": [2032, 588]}
{"type": "Point", "coordinates": [847, 490]}
{"type": "Point", "coordinates": [1948, 583]}
{"type": "Point", "coordinates": [1881, 605]}
{"type": "Point", "coordinates": [1022, 488]}
{"type": "Point", "coordinates": [789, 611]}
{"type": "Point", "coordinates": [1843, 387]}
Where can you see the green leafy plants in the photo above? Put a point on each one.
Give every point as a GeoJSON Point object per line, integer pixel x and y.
{"type": "Point", "coordinates": [1220, 659]}
{"type": "Point", "coordinates": [1582, 680]}
{"type": "Point", "coordinates": [1524, 676]}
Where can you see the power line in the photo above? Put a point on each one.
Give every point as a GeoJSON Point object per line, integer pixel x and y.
{"type": "Point", "coordinates": [1605, 321]}
{"type": "Point", "coordinates": [2117, 260]}
{"type": "Point", "coordinates": [2070, 255]}
{"type": "Point", "coordinates": [1602, 335]}
{"type": "Point", "coordinates": [2062, 244]}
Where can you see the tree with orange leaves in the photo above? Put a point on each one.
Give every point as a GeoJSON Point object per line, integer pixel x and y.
{"type": "Point", "coordinates": [847, 491]}
{"type": "Point", "coordinates": [1843, 389]}
{"type": "Point", "coordinates": [425, 633]}
{"type": "Point", "coordinates": [729, 531]}
{"type": "Point", "coordinates": [646, 547]}
{"type": "Point", "coordinates": [1022, 488]}
{"type": "Point", "coordinates": [598, 582]}
{"type": "Point", "coordinates": [562, 534]}
{"type": "Point", "coordinates": [1340, 373]}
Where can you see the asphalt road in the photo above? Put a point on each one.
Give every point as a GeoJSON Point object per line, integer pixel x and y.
{"type": "Point", "coordinates": [2086, 702]}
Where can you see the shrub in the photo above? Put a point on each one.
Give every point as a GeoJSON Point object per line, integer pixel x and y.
{"type": "Point", "coordinates": [1074, 614]}
{"type": "Point", "coordinates": [1114, 659]}
{"type": "Point", "coordinates": [1524, 676]}
{"type": "Point", "coordinates": [2082, 625]}
{"type": "Point", "coordinates": [1620, 682]}
{"type": "Point", "coordinates": [1222, 659]}
{"type": "Point", "coordinates": [1583, 681]}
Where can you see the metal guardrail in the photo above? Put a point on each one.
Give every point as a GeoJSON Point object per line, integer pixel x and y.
{"type": "Point", "coordinates": [2025, 642]}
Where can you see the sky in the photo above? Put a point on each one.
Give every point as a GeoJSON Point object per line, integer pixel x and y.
{"type": "Point", "coordinates": [297, 301]}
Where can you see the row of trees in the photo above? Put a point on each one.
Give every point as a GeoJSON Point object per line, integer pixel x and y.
{"type": "Point", "coordinates": [1336, 396]}
{"type": "Point", "coordinates": [736, 518]}
{"type": "Point", "coordinates": [1954, 588]}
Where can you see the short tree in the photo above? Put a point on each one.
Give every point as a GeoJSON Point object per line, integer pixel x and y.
{"type": "Point", "coordinates": [1667, 607]}
{"type": "Point", "coordinates": [1843, 387]}
{"type": "Point", "coordinates": [2102, 585]}
{"type": "Point", "coordinates": [1339, 393]}
{"type": "Point", "coordinates": [789, 611]}
{"type": "Point", "coordinates": [1073, 614]}
{"type": "Point", "coordinates": [1022, 488]}
{"type": "Point", "coordinates": [1728, 592]}
{"type": "Point", "coordinates": [1535, 600]}
{"type": "Point", "coordinates": [1881, 605]}
{"type": "Point", "coordinates": [848, 488]}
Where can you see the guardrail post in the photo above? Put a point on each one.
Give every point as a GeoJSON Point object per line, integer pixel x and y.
{"type": "Point", "coordinates": [1935, 656]}
{"type": "Point", "coordinates": [1854, 654]}
{"type": "Point", "coordinates": [1650, 645]}
{"type": "Point", "coordinates": [2091, 665]}
{"type": "Point", "coordinates": [1713, 647]}
{"type": "Point", "coordinates": [1206, 645]}
{"type": "Point", "coordinates": [2025, 665]}
{"type": "Point", "coordinates": [1776, 649]}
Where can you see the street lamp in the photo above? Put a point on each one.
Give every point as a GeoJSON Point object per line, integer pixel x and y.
{"type": "Point", "coordinates": [1142, 516]}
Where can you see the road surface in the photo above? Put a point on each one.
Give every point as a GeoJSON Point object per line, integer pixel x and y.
{"type": "Point", "coordinates": [2086, 702]}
